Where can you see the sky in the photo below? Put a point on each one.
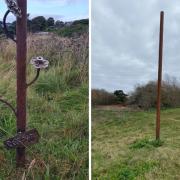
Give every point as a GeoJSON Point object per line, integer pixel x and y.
{"type": "Point", "coordinates": [125, 40]}
{"type": "Point", "coordinates": [65, 10]}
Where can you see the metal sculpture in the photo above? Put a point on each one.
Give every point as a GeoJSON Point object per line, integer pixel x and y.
{"type": "Point", "coordinates": [13, 7]}
{"type": "Point", "coordinates": [23, 138]}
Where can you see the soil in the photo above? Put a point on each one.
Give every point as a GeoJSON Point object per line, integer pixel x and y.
{"type": "Point", "coordinates": [112, 107]}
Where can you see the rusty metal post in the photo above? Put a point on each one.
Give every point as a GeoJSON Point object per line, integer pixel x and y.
{"type": "Point", "coordinates": [21, 36]}
{"type": "Point", "coordinates": [159, 76]}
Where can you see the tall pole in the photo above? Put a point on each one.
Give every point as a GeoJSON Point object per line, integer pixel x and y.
{"type": "Point", "coordinates": [21, 36]}
{"type": "Point", "coordinates": [159, 76]}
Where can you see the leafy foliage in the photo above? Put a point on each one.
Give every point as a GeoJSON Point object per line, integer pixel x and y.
{"type": "Point", "coordinates": [121, 96]}
{"type": "Point", "coordinates": [102, 97]}
{"type": "Point", "coordinates": [74, 29]}
{"type": "Point", "coordinates": [146, 143]}
{"type": "Point", "coordinates": [145, 96]}
{"type": "Point", "coordinates": [41, 24]}
{"type": "Point", "coordinates": [38, 24]}
{"type": "Point", "coordinates": [50, 21]}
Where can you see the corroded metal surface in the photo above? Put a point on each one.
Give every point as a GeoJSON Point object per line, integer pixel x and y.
{"type": "Point", "coordinates": [23, 139]}
{"type": "Point", "coordinates": [159, 76]}
{"type": "Point", "coordinates": [21, 35]}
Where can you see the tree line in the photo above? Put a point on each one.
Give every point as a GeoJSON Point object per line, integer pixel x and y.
{"type": "Point", "coordinates": [40, 23]}
{"type": "Point", "coordinates": [143, 96]}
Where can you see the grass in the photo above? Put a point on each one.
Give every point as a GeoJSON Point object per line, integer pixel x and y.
{"type": "Point", "coordinates": [146, 143]}
{"type": "Point", "coordinates": [78, 27]}
{"type": "Point", "coordinates": [124, 145]}
{"type": "Point", "coordinates": [57, 108]}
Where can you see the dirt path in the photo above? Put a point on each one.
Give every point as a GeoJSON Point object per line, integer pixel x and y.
{"type": "Point", "coordinates": [112, 107]}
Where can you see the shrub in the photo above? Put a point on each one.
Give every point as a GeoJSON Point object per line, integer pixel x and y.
{"type": "Point", "coordinates": [121, 96]}
{"type": "Point", "coordinates": [145, 96]}
{"type": "Point", "coordinates": [146, 143]}
{"type": "Point", "coordinates": [102, 97]}
{"type": "Point", "coordinates": [75, 29]}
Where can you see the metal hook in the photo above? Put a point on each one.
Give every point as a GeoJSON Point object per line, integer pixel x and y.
{"type": "Point", "coordinates": [5, 27]}
{"type": "Point", "coordinates": [36, 77]}
{"type": "Point", "coordinates": [9, 105]}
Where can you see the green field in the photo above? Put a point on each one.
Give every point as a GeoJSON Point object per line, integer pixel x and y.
{"type": "Point", "coordinates": [123, 145]}
{"type": "Point", "coordinates": [57, 106]}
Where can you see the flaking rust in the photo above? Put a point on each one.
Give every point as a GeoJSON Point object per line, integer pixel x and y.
{"type": "Point", "coordinates": [23, 139]}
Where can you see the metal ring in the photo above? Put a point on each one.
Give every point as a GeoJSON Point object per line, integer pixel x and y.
{"type": "Point", "coordinates": [5, 27]}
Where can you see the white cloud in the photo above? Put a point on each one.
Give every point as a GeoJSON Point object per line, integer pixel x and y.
{"type": "Point", "coordinates": [125, 42]}
{"type": "Point", "coordinates": [61, 2]}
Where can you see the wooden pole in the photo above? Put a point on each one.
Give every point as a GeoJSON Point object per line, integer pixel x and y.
{"type": "Point", "coordinates": [159, 76]}
{"type": "Point", "coordinates": [21, 35]}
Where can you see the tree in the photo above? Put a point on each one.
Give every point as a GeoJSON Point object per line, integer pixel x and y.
{"type": "Point", "coordinates": [50, 22]}
{"type": "Point", "coordinates": [102, 97]}
{"type": "Point", "coordinates": [145, 96]}
{"type": "Point", "coordinates": [59, 24]}
{"type": "Point", "coordinates": [38, 24]}
{"type": "Point", "coordinates": [121, 96]}
{"type": "Point", "coordinates": [82, 21]}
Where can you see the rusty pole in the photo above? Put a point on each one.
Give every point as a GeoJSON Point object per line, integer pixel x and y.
{"type": "Point", "coordinates": [21, 35]}
{"type": "Point", "coordinates": [159, 76]}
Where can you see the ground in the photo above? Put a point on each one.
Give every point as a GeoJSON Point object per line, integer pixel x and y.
{"type": "Point", "coordinates": [124, 146]}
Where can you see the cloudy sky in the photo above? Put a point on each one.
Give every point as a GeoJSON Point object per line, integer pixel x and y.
{"type": "Point", "coordinates": [125, 38]}
{"type": "Point", "coordinates": [65, 10]}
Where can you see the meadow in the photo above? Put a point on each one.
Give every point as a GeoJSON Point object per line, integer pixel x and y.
{"type": "Point", "coordinates": [57, 107]}
{"type": "Point", "coordinates": [124, 145]}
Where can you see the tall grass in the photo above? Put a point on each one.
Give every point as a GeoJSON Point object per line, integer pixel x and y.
{"type": "Point", "coordinates": [57, 106]}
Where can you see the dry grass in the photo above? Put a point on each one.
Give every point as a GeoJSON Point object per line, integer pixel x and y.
{"type": "Point", "coordinates": [123, 145]}
{"type": "Point", "coordinates": [57, 107]}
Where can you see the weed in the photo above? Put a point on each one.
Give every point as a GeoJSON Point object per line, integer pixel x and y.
{"type": "Point", "coordinates": [146, 143]}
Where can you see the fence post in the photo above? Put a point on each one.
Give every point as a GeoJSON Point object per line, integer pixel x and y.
{"type": "Point", "coordinates": [159, 76]}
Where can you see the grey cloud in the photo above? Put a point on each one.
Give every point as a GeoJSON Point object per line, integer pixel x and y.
{"type": "Point", "coordinates": [125, 42]}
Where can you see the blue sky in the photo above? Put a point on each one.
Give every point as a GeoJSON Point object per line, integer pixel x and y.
{"type": "Point", "coordinates": [65, 10]}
